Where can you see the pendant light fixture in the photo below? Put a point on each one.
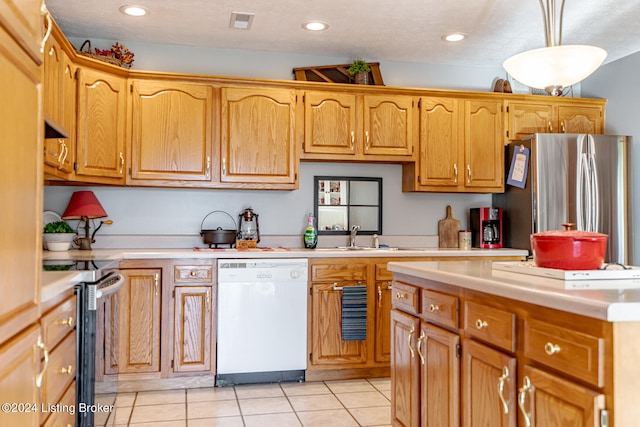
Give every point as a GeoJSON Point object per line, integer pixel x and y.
{"type": "Point", "coordinates": [555, 66]}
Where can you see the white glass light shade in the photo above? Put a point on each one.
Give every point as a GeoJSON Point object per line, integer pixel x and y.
{"type": "Point", "coordinates": [557, 66]}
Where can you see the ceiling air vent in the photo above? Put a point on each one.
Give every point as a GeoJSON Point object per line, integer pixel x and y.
{"type": "Point", "coordinates": [241, 20]}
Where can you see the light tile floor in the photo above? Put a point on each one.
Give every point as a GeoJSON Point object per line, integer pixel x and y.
{"type": "Point", "coordinates": [362, 402]}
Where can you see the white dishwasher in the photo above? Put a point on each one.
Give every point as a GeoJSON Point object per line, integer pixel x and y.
{"type": "Point", "coordinates": [262, 321]}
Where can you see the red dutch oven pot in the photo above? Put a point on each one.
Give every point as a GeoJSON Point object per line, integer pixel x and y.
{"type": "Point", "coordinates": [569, 249]}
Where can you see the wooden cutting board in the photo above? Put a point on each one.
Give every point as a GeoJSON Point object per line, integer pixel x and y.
{"type": "Point", "coordinates": [448, 230]}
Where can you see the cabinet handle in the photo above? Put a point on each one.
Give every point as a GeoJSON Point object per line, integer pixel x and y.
{"type": "Point", "coordinates": [455, 173]}
{"type": "Point", "coordinates": [66, 153]}
{"type": "Point", "coordinates": [419, 345]}
{"type": "Point", "coordinates": [208, 300]}
{"type": "Point", "coordinates": [551, 348]}
{"type": "Point", "coordinates": [68, 370]}
{"type": "Point", "coordinates": [208, 166]}
{"type": "Point", "coordinates": [45, 355]}
{"type": "Point", "coordinates": [366, 137]}
{"type": "Point", "coordinates": [353, 138]}
{"type": "Point", "coordinates": [550, 127]}
{"type": "Point", "coordinates": [121, 163]}
{"type": "Point", "coordinates": [411, 331]}
{"type": "Point", "coordinates": [522, 396]}
{"type": "Point", "coordinates": [434, 307]}
{"type": "Point", "coordinates": [468, 174]}
{"type": "Point", "coordinates": [401, 296]}
{"type": "Point", "coordinates": [61, 150]}
{"type": "Point", "coordinates": [379, 296]}
{"type": "Point", "coordinates": [68, 322]}
{"type": "Point", "coordinates": [481, 324]}
{"type": "Point", "coordinates": [156, 280]}
{"type": "Point", "coordinates": [501, 380]}
{"type": "Point", "coordinates": [224, 166]}
{"type": "Point", "coordinates": [562, 127]}
{"type": "Point", "coordinates": [47, 16]}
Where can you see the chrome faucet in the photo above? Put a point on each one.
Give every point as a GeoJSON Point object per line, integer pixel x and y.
{"type": "Point", "coordinates": [352, 236]}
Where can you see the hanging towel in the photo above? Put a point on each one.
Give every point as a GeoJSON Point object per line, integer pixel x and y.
{"type": "Point", "coordinates": [354, 313]}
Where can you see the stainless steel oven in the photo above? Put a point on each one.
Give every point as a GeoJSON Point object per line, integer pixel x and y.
{"type": "Point", "coordinates": [99, 279]}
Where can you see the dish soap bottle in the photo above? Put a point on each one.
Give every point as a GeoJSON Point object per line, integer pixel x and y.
{"type": "Point", "coordinates": [310, 234]}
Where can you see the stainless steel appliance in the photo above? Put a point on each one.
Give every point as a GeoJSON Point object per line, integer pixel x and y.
{"type": "Point", "coordinates": [99, 278]}
{"type": "Point", "coordinates": [571, 178]}
{"type": "Point", "coordinates": [262, 321]}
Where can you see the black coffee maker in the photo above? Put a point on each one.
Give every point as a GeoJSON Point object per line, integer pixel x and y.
{"type": "Point", "coordinates": [486, 227]}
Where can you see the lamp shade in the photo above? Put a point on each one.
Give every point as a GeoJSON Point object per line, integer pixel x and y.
{"type": "Point", "coordinates": [84, 204]}
{"type": "Point", "coordinates": [556, 66]}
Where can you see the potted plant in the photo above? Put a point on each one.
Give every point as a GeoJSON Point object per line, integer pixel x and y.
{"type": "Point", "coordinates": [359, 70]}
{"type": "Point", "coordinates": [58, 236]}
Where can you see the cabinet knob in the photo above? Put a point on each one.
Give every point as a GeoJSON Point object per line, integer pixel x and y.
{"type": "Point", "coordinates": [68, 370]}
{"type": "Point", "coordinates": [433, 308]}
{"type": "Point", "coordinates": [481, 324]}
{"type": "Point", "coordinates": [401, 296]}
{"type": "Point", "coordinates": [551, 348]}
{"type": "Point", "coordinates": [193, 273]}
{"type": "Point", "coordinates": [68, 322]}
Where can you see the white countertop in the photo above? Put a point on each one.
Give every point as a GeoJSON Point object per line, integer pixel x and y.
{"type": "Point", "coordinates": [614, 301]}
{"type": "Point", "coordinates": [54, 282]}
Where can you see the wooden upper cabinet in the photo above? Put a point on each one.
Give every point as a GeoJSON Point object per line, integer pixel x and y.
{"type": "Point", "coordinates": [356, 127]}
{"type": "Point", "coordinates": [171, 132]}
{"type": "Point", "coordinates": [440, 142]}
{"type": "Point", "coordinates": [484, 150]}
{"type": "Point", "coordinates": [526, 118]}
{"type": "Point", "coordinates": [258, 138]}
{"type": "Point", "coordinates": [461, 147]}
{"type": "Point", "coordinates": [101, 121]}
{"type": "Point", "coordinates": [388, 125]}
{"type": "Point", "coordinates": [581, 119]}
{"type": "Point", "coordinates": [330, 123]}
{"type": "Point", "coordinates": [52, 80]}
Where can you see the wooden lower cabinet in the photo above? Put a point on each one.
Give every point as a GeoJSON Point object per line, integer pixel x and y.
{"type": "Point", "coordinates": [502, 366]}
{"type": "Point", "coordinates": [193, 311]}
{"type": "Point", "coordinates": [382, 327]}
{"type": "Point", "coordinates": [132, 324]}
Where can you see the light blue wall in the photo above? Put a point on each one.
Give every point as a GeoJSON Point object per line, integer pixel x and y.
{"type": "Point", "coordinates": [619, 83]}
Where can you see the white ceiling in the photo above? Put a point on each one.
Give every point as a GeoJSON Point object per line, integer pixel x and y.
{"type": "Point", "coordinates": [376, 30]}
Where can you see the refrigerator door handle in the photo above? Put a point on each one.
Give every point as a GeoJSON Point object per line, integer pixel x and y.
{"type": "Point", "coordinates": [595, 190]}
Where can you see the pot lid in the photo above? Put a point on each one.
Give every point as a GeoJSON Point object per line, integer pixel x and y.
{"type": "Point", "coordinates": [568, 233]}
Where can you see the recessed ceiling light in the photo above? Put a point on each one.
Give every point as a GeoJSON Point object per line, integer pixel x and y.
{"type": "Point", "coordinates": [133, 10]}
{"type": "Point", "coordinates": [454, 37]}
{"type": "Point", "coordinates": [241, 20]}
{"type": "Point", "coordinates": [315, 26]}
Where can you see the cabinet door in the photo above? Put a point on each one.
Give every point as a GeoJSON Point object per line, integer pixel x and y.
{"type": "Point", "coordinates": [101, 126]}
{"type": "Point", "coordinates": [489, 383]}
{"type": "Point", "coordinates": [192, 329]}
{"type": "Point", "coordinates": [405, 370]}
{"type": "Point", "coordinates": [327, 346]}
{"type": "Point", "coordinates": [132, 324]}
{"type": "Point", "coordinates": [19, 365]}
{"type": "Point", "coordinates": [388, 125]}
{"type": "Point", "coordinates": [382, 337]}
{"type": "Point", "coordinates": [439, 142]}
{"type": "Point", "coordinates": [527, 118]}
{"type": "Point", "coordinates": [52, 80]}
{"type": "Point", "coordinates": [549, 401]}
{"type": "Point", "coordinates": [330, 123]}
{"type": "Point", "coordinates": [171, 137]}
{"type": "Point", "coordinates": [21, 136]}
{"type": "Point", "coordinates": [439, 377]}
{"type": "Point", "coordinates": [580, 119]}
{"type": "Point", "coordinates": [68, 116]}
{"type": "Point", "coordinates": [258, 136]}
{"type": "Point", "coordinates": [23, 20]}
{"type": "Point", "coordinates": [484, 149]}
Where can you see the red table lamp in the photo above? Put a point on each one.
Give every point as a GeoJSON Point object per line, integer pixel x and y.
{"type": "Point", "coordinates": [84, 205]}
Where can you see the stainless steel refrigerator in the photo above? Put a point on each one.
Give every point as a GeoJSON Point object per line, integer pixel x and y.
{"type": "Point", "coordinates": [571, 178]}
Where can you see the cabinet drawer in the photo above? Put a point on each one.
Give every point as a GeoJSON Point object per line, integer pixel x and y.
{"type": "Point", "coordinates": [382, 273]}
{"type": "Point", "coordinates": [335, 272]}
{"type": "Point", "coordinates": [59, 322]}
{"type": "Point", "coordinates": [406, 297]}
{"type": "Point", "coordinates": [61, 370]}
{"type": "Point", "coordinates": [574, 353]}
{"type": "Point", "coordinates": [489, 324]}
{"type": "Point", "coordinates": [64, 418]}
{"type": "Point", "coordinates": [193, 273]}
{"type": "Point", "coordinates": [440, 308]}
